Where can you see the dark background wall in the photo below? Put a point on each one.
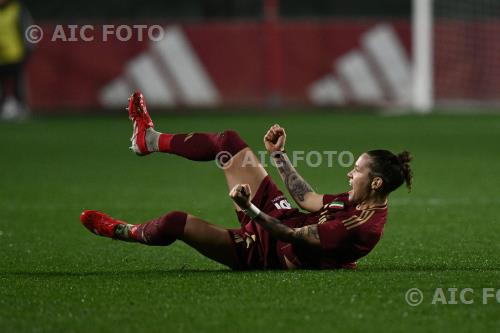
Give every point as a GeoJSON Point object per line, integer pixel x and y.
{"type": "Point", "coordinates": [186, 9]}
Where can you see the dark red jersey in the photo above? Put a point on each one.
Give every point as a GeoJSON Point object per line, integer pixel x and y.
{"type": "Point", "coordinates": [346, 234]}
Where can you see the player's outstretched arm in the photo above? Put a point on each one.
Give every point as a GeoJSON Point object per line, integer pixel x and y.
{"type": "Point", "coordinates": [307, 235]}
{"type": "Point", "coordinates": [299, 189]}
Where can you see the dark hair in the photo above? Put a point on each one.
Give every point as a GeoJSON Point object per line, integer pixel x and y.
{"type": "Point", "coordinates": [393, 169]}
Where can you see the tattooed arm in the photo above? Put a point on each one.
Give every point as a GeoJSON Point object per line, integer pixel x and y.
{"type": "Point", "coordinates": [307, 235]}
{"type": "Point", "coordinates": [300, 190]}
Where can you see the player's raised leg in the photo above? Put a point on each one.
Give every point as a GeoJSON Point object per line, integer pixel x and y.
{"type": "Point", "coordinates": [208, 239]}
{"type": "Point", "coordinates": [240, 164]}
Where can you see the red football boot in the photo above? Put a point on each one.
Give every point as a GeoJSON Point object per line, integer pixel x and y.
{"type": "Point", "coordinates": [138, 113]}
{"type": "Point", "coordinates": [100, 223]}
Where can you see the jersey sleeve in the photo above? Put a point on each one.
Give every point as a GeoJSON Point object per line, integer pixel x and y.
{"type": "Point", "coordinates": [332, 234]}
{"type": "Point", "coordinates": [328, 198]}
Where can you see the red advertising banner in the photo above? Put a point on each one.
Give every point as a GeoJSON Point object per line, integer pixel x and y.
{"type": "Point", "coordinates": [202, 64]}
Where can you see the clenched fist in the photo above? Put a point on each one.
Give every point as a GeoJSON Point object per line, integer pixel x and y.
{"type": "Point", "coordinates": [275, 138]}
{"type": "Point", "coordinates": [241, 195]}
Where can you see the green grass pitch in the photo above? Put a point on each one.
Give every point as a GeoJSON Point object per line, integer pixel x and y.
{"type": "Point", "coordinates": [57, 277]}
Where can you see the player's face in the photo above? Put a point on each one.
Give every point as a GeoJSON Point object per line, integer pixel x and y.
{"type": "Point", "coordinates": [359, 180]}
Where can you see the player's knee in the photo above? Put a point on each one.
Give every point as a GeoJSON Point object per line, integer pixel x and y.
{"type": "Point", "coordinates": [232, 142]}
{"type": "Point", "coordinates": [165, 229]}
{"type": "Point", "coordinates": [173, 223]}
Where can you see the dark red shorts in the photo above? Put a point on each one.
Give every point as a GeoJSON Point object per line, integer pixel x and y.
{"type": "Point", "coordinates": [255, 248]}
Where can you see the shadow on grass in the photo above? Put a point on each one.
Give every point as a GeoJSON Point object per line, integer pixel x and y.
{"type": "Point", "coordinates": [179, 272]}
{"type": "Point", "coordinates": [437, 268]}
{"type": "Point", "coordinates": [124, 273]}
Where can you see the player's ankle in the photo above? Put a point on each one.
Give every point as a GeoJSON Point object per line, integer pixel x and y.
{"type": "Point", "coordinates": [124, 232]}
{"type": "Point", "coordinates": [151, 139]}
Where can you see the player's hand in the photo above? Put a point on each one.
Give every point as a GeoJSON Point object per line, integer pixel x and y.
{"type": "Point", "coordinates": [275, 138]}
{"type": "Point", "coordinates": [241, 195]}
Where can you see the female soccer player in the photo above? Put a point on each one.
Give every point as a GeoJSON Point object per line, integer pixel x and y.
{"type": "Point", "coordinates": [338, 230]}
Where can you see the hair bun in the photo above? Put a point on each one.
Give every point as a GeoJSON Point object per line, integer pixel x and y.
{"type": "Point", "coordinates": [404, 157]}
